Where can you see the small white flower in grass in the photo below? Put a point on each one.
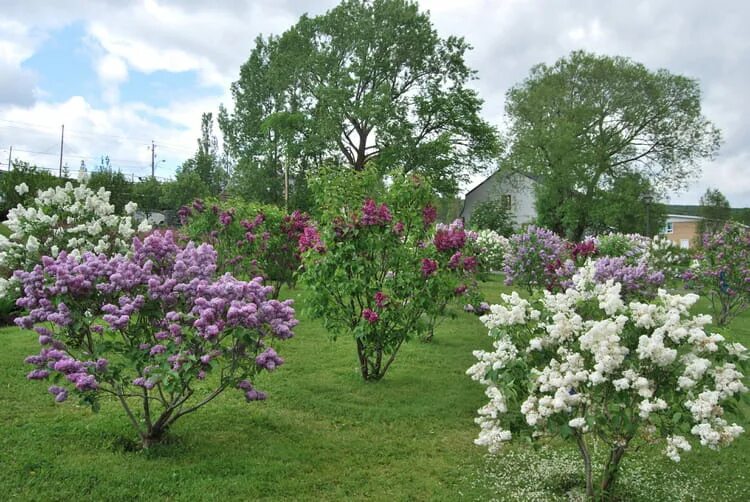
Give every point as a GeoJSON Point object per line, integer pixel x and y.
{"type": "Point", "coordinates": [22, 189]}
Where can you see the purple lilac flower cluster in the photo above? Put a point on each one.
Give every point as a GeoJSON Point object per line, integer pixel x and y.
{"type": "Point", "coordinates": [533, 258]}
{"type": "Point", "coordinates": [638, 280]}
{"type": "Point", "coordinates": [450, 237]}
{"type": "Point", "coordinates": [429, 215]}
{"type": "Point", "coordinates": [583, 250]}
{"type": "Point", "coordinates": [163, 299]}
{"type": "Point", "coordinates": [372, 214]}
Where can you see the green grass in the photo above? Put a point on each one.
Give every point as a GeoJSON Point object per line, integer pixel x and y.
{"type": "Point", "coordinates": [322, 435]}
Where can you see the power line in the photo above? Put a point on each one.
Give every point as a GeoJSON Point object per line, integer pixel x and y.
{"type": "Point", "coordinates": [85, 157]}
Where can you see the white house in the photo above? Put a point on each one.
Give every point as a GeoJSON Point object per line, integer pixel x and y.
{"type": "Point", "coordinates": [514, 189]}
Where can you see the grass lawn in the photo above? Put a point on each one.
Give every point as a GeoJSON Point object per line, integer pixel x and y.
{"type": "Point", "coordinates": [323, 434]}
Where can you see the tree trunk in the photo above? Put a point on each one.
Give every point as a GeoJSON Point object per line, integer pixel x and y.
{"type": "Point", "coordinates": [586, 465]}
{"type": "Point", "coordinates": [152, 437]}
{"type": "Point", "coordinates": [363, 366]}
{"type": "Point", "coordinates": [611, 471]}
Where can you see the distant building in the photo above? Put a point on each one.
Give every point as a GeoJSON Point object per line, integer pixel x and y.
{"type": "Point", "coordinates": [514, 189]}
{"type": "Point", "coordinates": [682, 230]}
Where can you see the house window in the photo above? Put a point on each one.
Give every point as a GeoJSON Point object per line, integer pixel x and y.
{"type": "Point", "coordinates": [669, 228]}
{"type": "Point", "coordinates": [506, 200]}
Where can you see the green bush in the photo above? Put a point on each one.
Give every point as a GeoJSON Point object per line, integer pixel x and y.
{"type": "Point", "coordinates": [492, 215]}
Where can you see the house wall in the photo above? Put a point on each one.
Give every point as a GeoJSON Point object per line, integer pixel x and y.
{"type": "Point", "coordinates": [683, 230]}
{"type": "Point", "coordinates": [519, 187]}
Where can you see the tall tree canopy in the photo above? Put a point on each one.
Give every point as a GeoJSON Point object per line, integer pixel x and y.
{"type": "Point", "coordinates": [715, 210]}
{"type": "Point", "coordinates": [587, 121]}
{"type": "Point", "coordinates": [368, 82]}
{"type": "Point", "coordinates": [207, 164]}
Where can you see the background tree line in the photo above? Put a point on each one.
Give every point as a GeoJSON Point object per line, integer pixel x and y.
{"type": "Point", "coordinates": [371, 83]}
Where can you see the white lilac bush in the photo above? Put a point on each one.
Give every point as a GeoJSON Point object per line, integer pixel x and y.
{"type": "Point", "coordinates": [584, 363]}
{"type": "Point", "coordinates": [71, 218]}
{"type": "Point", "coordinates": [491, 249]}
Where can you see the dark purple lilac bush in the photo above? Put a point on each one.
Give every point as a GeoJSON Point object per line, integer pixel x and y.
{"type": "Point", "coordinates": [156, 330]}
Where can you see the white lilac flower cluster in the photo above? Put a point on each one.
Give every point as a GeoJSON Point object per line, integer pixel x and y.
{"type": "Point", "coordinates": [586, 351]}
{"type": "Point", "coordinates": [72, 219]}
{"type": "Point", "coordinates": [491, 249]}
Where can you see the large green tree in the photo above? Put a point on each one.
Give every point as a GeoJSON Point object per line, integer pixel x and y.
{"type": "Point", "coordinates": [587, 121]}
{"type": "Point", "coordinates": [368, 82]}
{"type": "Point", "coordinates": [715, 210]}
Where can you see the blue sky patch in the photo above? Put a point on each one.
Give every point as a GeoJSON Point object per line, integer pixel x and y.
{"type": "Point", "coordinates": [65, 66]}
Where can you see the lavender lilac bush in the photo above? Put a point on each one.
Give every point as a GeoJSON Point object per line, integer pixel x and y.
{"type": "Point", "coordinates": [149, 328]}
{"type": "Point", "coordinates": [534, 257]}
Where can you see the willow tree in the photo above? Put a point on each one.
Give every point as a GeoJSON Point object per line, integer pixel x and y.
{"type": "Point", "coordinates": [588, 121]}
{"type": "Point", "coordinates": [368, 82]}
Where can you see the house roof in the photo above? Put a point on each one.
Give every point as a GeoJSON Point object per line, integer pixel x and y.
{"type": "Point", "coordinates": [683, 217]}
{"type": "Point", "coordinates": [532, 178]}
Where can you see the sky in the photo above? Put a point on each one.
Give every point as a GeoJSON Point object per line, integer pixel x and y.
{"type": "Point", "coordinates": [120, 75]}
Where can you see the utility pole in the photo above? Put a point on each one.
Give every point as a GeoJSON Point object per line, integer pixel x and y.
{"type": "Point", "coordinates": [153, 157]}
{"type": "Point", "coordinates": [62, 138]}
{"type": "Point", "coordinates": [10, 159]}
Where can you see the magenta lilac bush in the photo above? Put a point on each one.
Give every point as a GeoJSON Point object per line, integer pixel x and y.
{"type": "Point", "coordinates": [148, 329]}
{"type": "Point", "coordinates": [382, 272]}
{"type": "Point", "coordinates": [250, 239]}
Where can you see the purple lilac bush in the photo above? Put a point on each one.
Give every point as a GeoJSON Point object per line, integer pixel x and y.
{"type": "Point", "coordinates": [534, 257]}
{"type": "Point", "coordinates": [722, 271]}
{"type": "Point", "coordinates": [149, 328]}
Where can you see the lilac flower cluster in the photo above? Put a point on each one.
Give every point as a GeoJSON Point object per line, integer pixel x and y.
{"type": "Point", "coordinates": [310, 239]}
{"type": "Point", "coordinates": [429, 215]}
{"type": "Point", "coordinates": [637, 280]}
{"type": "Point", "coordinates": [429, 266]}
{"type": "Point", "coordinates": [529, 255]}
{"type": "Point", "coordinates": [450, 237]}
{"type": "Point", "coordinates": [370, 315]}
{"type": "Point", "coordinates": [372, 214]}
{"type": "Point", "coordinates": [164, 301]}
{"type": "Point", "coordinates": [583, 250]}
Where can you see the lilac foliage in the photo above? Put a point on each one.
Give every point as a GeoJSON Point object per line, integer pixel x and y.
{"type": "Point", "coordinates": [161, 313]}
